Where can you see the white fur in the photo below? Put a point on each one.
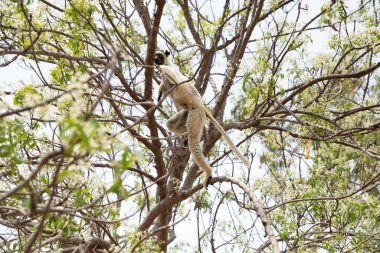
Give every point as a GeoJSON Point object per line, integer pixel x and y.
{"type": "Point", "coordinates": [191, 114]}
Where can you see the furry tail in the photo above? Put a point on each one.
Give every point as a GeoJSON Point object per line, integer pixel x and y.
{"type": "Point", "coordinates": [227, 138]}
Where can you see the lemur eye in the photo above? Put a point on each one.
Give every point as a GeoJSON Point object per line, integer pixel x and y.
{"type": "Point", "coordinates": [157, 59]}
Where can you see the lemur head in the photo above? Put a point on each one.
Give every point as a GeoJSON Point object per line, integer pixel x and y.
{"type": "Point", "coordinates": [161, 57]}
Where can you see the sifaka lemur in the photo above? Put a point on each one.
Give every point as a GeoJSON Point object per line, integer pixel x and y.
{"type": "Point", "coordinates": [191, 114]}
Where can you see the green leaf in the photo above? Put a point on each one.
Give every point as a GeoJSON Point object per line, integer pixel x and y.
{"type": "Point", "coordinates": [23, 93]}
{"type": "Point", "coordinates": [44, 179]}
{"type": "Point", "coordinates": [117, 185]}
{"type": "Point", "coordinates": [62, 175]}
{"type": "Point", "coordinates": [78, 199]}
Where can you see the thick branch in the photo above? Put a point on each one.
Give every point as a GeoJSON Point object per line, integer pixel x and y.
{"type": "Point", "coordinates": [181, 196]}
{"type": "Point", "coordinates": [144, 15]}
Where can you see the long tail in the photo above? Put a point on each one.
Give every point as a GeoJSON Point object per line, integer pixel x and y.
{"type": "Point", "coordinates": [227, 138]}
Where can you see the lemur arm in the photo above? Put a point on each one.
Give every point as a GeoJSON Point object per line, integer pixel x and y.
{"type": "Point", "coordinates": [171, 75]}
{"type": "Point", "coordinates": [160, 91]}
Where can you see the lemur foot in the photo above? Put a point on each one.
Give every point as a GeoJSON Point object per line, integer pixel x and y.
{"type": "Point", "coordinates": [206, 182]}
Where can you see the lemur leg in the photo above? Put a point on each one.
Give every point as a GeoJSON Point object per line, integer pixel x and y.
{"type": "Point", "coordinates": [177, 123]}
{"type": "Point", "coordinates": [195, 123]}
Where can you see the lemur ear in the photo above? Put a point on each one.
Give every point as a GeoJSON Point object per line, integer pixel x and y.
{"type": "Point", "coordinates": [167, 53]}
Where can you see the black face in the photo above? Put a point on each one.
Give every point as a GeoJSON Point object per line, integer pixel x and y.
{"type": "Point", "coordinates": [159, 59]}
